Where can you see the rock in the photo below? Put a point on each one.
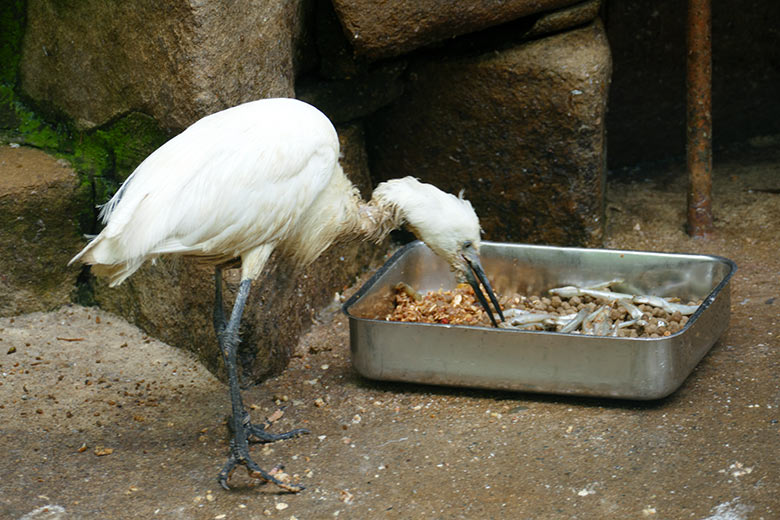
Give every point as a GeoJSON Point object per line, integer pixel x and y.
{"type": "Point", "coordinates": [521, 129]}
{"type": "Point", "coordinates": [563, 19]}
{"type": "Point", "coordinates": [350, 99]}
{"type": "Point", "coordinates": [383, 29]}
{"type": "Point", "coordinates": [337, 59]}
{"type": "Point", "coordinates": [176, 61]}
{"type": "Point", "coordinates": [173, 299]}
{"type": "Point", "coordinates": [39, 200]}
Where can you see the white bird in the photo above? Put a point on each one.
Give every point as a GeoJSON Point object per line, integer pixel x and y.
{"type": "Point", "coordinates": [255, 178]}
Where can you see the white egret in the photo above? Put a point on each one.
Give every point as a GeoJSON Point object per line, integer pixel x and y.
{"type": "Point", "coordinates": [255, 178]}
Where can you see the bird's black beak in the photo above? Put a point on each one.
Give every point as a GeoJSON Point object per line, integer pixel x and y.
{"type": "Point", "coordinates": [475, 268]}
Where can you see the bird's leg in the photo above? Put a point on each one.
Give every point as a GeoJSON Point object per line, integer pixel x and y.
{"type": "Point", "coordinates": [255, 433]}
{"type": "Point", "coordinates": [240, 424]}
{"type": "Point", "coordinates": [219, 312]}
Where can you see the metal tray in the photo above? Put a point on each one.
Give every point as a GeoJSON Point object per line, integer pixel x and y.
{"type": "Point", "coordinates": [550, 362]}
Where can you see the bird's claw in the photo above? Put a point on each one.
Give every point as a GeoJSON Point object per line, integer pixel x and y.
{"type": "Point", "coordinates": [239, 455]}
{"type": "Point", "coordinates": [254, 471]}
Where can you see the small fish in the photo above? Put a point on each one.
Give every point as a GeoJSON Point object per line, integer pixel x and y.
{"type": "Point", "coordinates": [575, 322]}
{"type": "Point", "coordinates": [605, 285]}
{"type": "Point", "coordinates": [601, 322]}
{"type": "Point", "coordinates": [609, 296]}
{"type": "Point", "coordinates": [597, 322]}
{"type": "Point", "coordinates": [631, 308]}
{"type": "Point", "coordinates": [523, 319]}
{"type": "Point", "coordinates": [624, 324]}
{"type": "Point", "coordinates": [570, 291]}
{"type": "Point", "coordinates": [531, 317]}
{"type": "Point", "coordinates": [566, 292]}
{"type": "Point", "coordinates": [671, 308]}
{"type": "Point", "coordinates": [562, 319]}
{"type": "Point", "coordinates": [512, 312]}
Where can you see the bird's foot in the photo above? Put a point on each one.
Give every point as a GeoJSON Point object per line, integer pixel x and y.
{"type": "Point", "coordinates": [239, 453]}
{"type": "Point", "coordinates": [255, 471]}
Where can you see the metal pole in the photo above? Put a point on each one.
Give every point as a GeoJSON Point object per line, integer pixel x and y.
{"type": "Point", "coordinates": [699, 146]}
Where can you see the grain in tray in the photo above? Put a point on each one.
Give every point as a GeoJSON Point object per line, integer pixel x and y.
{"type": "Point", "coordinates": [568, 309]}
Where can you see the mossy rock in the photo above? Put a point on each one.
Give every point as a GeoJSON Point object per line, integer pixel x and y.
{"type": "Point", "coordinates": [103, 158]}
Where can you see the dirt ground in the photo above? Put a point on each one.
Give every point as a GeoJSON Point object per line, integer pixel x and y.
{"type": "Point", "coordinates": [100, 421]}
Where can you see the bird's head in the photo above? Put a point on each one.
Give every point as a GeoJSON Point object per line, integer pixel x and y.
{"type": "Point", "coordinates": [449, 226]}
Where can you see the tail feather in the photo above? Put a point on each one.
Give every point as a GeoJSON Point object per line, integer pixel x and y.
{"type": "Point", "coordinates": [115, 273]}
{"type": "Point", "coordinates": [106, 260]}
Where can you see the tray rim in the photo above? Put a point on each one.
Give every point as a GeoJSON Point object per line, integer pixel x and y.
{"type": "Point", "coordinates": [390, 262]}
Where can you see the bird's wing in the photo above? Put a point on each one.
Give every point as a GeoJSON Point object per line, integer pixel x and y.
{"type": "Point", "coordinates": [230, 182]}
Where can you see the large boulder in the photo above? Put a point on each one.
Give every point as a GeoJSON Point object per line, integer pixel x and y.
{"type": "Point", "coordinates": [176, 61]}
{"type": "Point", "coordinates": [173, 298]}
{"type": "Point", "coordinates": [521, 128]}
{"type": "Point", "coordinates": [39, 199]}
{"type": "Point", "coordinates": [382, 29]}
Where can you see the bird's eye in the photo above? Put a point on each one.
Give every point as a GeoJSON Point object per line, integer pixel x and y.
{"type": "Point", "coordinates": [467, 244]}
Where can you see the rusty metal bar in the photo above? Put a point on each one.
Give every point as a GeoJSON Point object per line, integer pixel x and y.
{"type": "Point", "coordinates": [699, 120]}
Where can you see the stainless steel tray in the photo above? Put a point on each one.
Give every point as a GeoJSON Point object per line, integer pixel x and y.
{"type": "Point", "coordinates": [551, 362]}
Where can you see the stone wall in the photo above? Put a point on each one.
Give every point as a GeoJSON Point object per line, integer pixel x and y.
{"type": "Point", "coordinates": [520, 129]}
{"type": "Point", "coordinates": [176, 61]}
{"type": "Point", "coordinates": [505, 100]}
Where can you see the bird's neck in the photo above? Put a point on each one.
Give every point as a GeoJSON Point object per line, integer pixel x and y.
{"type": "Point", "coordinates": [339, 214]}
{"type": "Point", "coordinates": [376, 218]}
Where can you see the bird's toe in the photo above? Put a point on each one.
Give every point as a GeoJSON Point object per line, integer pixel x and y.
{"type": "Point", "coordinates": [259, 434]}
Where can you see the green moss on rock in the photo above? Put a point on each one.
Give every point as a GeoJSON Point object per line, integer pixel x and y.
{"type": "Point", "coordinates": [108, 155]}
{"type": "Point", "coordinates": [131, 139]}
{"type": "Point", "coordinates": [103, 157]}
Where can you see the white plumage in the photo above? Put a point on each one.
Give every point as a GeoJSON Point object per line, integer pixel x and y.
{"type": "Point", "coordinates": [260, 177]}
{"type": "Point", "coordinates": [232, 182]}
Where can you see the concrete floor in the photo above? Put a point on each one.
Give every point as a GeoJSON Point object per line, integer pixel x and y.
{"type": "Point", "coordinates": [100, 421]}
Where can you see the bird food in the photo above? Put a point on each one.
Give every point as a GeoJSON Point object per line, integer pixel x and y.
{"type": "Point", "coordinates": [456, 307]}
{"type": "Point", "coordinates": [593, 310]}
